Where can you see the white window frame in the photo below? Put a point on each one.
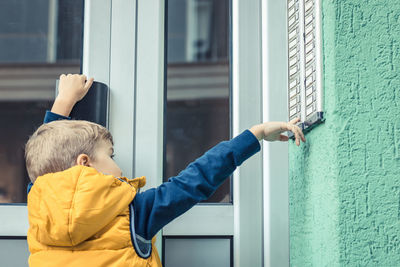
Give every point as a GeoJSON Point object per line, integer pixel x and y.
{"type": "Point", "coordinates": [276, 163]}
{"type": "Point", "coordinates": [148, 138]}
{"type": "Point", "coordinates": [247, 111]}
{"type": "Point", "coordinates": [13, 220]}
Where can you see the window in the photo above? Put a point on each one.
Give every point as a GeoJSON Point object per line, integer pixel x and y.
{"type": "Point", "coordinates": [39, 40]}
{"type": "Point", "coordinates": [197, 251]}
{"type": "Point", "coordinates": [198, 83]}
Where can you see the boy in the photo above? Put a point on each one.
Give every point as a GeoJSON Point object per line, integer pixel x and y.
{"type": "Point", "coordinates": [83, 213]}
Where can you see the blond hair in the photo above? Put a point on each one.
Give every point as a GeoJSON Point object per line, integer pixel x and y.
{"type": "Point", "coordinates": [55, 146]}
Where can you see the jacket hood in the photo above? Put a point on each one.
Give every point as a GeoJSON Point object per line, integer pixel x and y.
{"type": "Point", "coordinates": [68, 207]}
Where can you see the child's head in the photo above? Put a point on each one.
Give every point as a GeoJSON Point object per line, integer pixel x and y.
{"type": "Point", "coordinates": [59, 145]}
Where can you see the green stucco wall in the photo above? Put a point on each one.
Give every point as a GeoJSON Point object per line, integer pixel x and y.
{"type": "Point", "coordinates": [345, 181]}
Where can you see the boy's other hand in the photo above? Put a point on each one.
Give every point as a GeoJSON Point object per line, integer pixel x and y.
{"type": "Point", "coordinates": [272, 131]}
{"type": "Point", "coordinates": [71, 89]}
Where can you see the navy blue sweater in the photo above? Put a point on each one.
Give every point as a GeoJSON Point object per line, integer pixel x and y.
{"type": "Point", "coordinates": [156, 207]}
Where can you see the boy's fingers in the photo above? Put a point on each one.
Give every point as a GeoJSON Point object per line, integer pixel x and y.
{"type": "Point", "coordinates": [62, 76]}
{"type": "Point", "coordinates": [88, 83]}
{"type": "Point", "coordinates": [286, 126]}
{"type": "Point", "coordinates": [83, 77]}
{"type": "Point", "coordinates": [301, 134]}
{"type": "Point", "coordinates": [296, 134]}
{"type": "Point", "coordinates": [294, 121]}
{"type": "Point", "coordinates": [283, 138]}
{"type": "Point", "coordinates": [295, 130]}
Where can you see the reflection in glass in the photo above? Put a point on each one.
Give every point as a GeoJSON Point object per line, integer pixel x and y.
{"type": "Point", "coordinates": [39, 40]}
{"type": "Point", "coordinates": [198, 105]}
{"type": "Point", "coordinates": [197, 251]}
{"type": "Point", "coordinates": [14, 252]}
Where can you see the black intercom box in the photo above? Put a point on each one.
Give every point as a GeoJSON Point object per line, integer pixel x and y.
{"type": "Point", "coordinates": [94, 106]}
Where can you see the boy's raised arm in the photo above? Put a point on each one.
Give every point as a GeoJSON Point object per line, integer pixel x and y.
{"type": "Point", "coordinates": [71, 89]}
{"type": "Point", "coordinates": [156, 207]}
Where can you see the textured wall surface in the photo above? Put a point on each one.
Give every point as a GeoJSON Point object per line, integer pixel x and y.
{"type": "Point", "coordinates": [345, 181]}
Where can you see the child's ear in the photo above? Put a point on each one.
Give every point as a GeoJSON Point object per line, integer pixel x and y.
{"type": "Point", "coordinates": [83, 160]}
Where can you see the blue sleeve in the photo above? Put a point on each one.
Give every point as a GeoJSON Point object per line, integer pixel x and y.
{"type": "Point", "coordinates": [156, 207]}
{"type": "Point", "coordinates": [50, 116]}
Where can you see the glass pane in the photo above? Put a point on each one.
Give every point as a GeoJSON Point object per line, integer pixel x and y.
{"type": "Point", "coordinates": [39, 40]}
{"type": "Point", "coordinates": [14, 252]}
{"type": "Point", "coordinates": [198, 89]}
{"type": "Point", "coordinates": [197, 252]}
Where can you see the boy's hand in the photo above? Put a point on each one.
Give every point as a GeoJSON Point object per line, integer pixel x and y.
{"type": "Point", "coordinates": [71, 89]}
{"type": "Point", "coordinates": [272, 131]}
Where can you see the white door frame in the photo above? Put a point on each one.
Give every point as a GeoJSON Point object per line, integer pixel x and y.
{"type": "Point", "coordinates": [120, 52]}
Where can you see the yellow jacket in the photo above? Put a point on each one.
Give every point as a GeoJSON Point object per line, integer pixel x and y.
{"type": "Point", "coordinates": [80, 217]}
